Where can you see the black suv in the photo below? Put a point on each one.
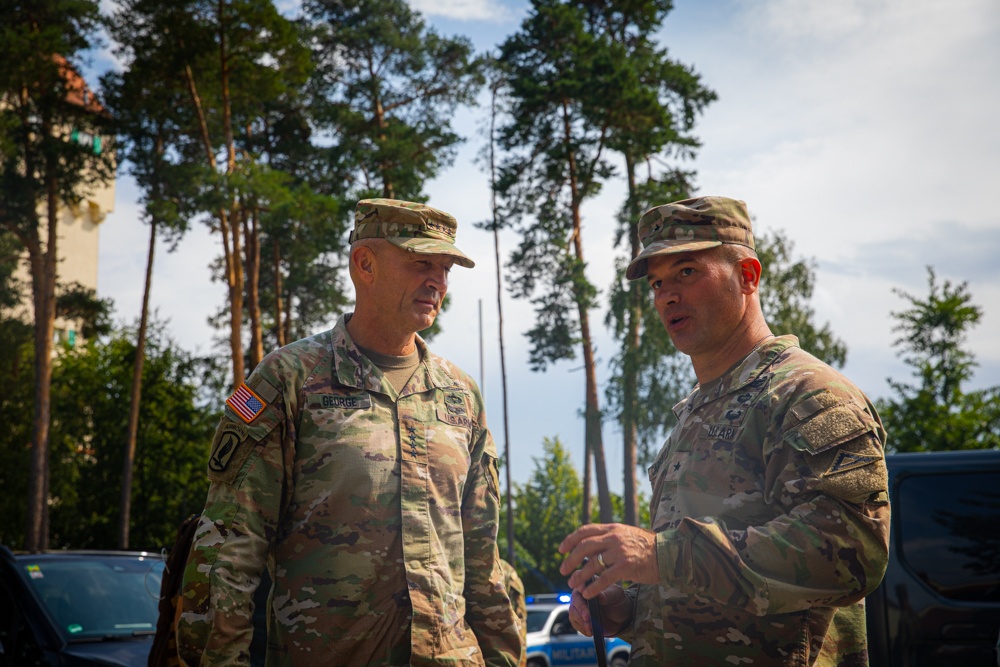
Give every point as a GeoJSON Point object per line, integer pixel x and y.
{"type": "Point", "coordinates": [77, 608]}
{"type": "Point", "coordinates": [939, 603]}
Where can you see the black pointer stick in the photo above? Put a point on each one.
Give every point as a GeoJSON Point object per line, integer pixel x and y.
{"type": "Point", "coordinates": [598, 628]}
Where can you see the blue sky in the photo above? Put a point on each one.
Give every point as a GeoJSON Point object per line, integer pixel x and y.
{"type": "Point", "coordinates": [865, 131]}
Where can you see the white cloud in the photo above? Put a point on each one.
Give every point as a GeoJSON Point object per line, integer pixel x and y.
{"type": "Point", "coordinates": [462, 10]}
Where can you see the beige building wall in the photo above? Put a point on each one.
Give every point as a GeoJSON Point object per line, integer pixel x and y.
{"type": "Point", "coordinates": [78, 226]}
{"type": "Point", "coordinates": [77, 245]}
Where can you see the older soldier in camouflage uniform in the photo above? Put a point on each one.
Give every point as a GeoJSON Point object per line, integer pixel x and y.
{"type": "Point", "coordinates": [770, 512]}
{"type": "Point", "coordinates": [357, 467]}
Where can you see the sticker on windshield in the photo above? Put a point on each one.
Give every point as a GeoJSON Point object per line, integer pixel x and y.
{"type": "Point", "coordinates": [73, 629]}
{"type": "Point", "coordinates": [35, 572]}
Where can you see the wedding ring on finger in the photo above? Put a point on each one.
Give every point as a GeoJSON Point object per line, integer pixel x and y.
{"type": "Point", "coordinates": [600, 561]}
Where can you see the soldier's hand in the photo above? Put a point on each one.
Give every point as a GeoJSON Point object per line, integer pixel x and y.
{"type": "Point", "coordinates": [616, 612]}
{"type": "Point", "coordinates": [614, 552]}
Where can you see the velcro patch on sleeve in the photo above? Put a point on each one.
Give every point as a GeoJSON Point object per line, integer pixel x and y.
{"type": "Point", "coordinates": [827, 428]}
{"type": "Point", "coordinates": [246, 404]}
{"type": "Point", "coordinates": [264, 389]}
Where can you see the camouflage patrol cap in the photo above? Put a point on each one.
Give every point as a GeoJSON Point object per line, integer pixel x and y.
{"type": "Point", "coordinates": [410, 226]}
{"type": "Point", "coordinates": [690, 224]}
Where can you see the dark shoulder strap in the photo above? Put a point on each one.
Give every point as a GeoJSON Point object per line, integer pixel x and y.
{"type": "Point", "coordinates": [164, 650]}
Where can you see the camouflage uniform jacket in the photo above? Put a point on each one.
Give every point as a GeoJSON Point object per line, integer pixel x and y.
{"type": "Point", "coordinates": [515, 589]}
{"type": "Point", "coordinates": [375, 512]}
{"type": "Point", "coordinates": [772, 520]}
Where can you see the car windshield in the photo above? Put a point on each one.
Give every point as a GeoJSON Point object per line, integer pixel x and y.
{"type": "Point", "coordinates": [537, 618]}
{"type": "Point", "coordinates": [98, 596]}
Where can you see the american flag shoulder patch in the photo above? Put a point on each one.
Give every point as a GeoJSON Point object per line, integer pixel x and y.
{"type": "Point", "coordinates": [246, 403]}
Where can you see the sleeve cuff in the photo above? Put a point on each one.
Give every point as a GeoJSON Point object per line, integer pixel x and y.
{"type": "Point", "coordinates": [665, 557]}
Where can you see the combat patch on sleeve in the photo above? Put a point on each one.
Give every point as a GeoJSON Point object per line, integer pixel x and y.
{"type": "Point", "coordinates": [230, 450]}
{"type": "Point", "coordinates": [855, 471]}
{"type": "Point", "coordinates": [246, 404]}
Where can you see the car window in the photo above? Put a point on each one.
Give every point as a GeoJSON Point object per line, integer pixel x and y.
{"type": "Point", "coordinates": [98, 596]}
{"type": "Point", "coordinates": [562, 626]}
{"type": "Point", "coordinates": [951, 533]}
{"type": "Point", "coordinates": [536, 619]}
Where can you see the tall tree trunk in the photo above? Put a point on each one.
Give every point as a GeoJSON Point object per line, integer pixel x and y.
{"type": "Point", "coordinates": [630, 361]}
{"type": "Point", "coordinates": [593, 438]}
{"type": "Point", "coordinates": [279, 303]}
{"type": "Point", "coordinates": [234, 267]}
{"type": "Point", "coordinates": [252, 234]}
{"type": "Point", "coordinates": [224, 218]}
{"type": "Point", "coordinates": [135, 394]}
{"type": "Point", "coordinates": [592, 412]}
{"type": "Point", "coordinates": [288, 318]}
{"type": "Point", "coordinates": [43, 277]}
{"type": "Point", "coordinates": [234, 274]}
{"type": "Point", "coordinates": [379, 111]}
{"type": "Point", "coordinates": [503, 360]}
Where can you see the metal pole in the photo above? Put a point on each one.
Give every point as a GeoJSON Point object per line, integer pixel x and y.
{"type": "Point", "coordinates": [503, 361]}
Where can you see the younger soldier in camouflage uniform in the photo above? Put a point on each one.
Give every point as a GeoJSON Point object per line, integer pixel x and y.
{"type": "Point", "coordinates": [770, 512]}
{"type": "Point", "coordinates": [357, 467]}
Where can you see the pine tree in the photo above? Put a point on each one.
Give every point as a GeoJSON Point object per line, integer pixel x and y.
{"type": "Point", "coordinates": [936, 413]}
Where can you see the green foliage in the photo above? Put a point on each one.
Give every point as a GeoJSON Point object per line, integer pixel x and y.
{"type": "Point", "coordinates": [17, 377]}
{"type": "Point", "coordinates": [89, 413]}
{"type": "Point", "coordinates": [81, 304]}
{"type": "Point", "coordinates": [386, 90]}
{"type": "Point", "coordinates": [243, 152]}
{"type": "Point", "coordinates": [44, 115]}
{"type": "Point", "coordinates": [786, 286]}
{"type": "Point", "coordinates": [553, 161]}
{"type": "Point", "coordinates": [618, 503]}
{"type": "Point", "coordinates": [935, 413]}
{"type": "Point", "coordinates": [661, 375]}
{"type": "Point", "coordinates": [10, 287]}
{"type": "Point", "coordinates": [53, 153]}
{"type": "Point", "coordinates": [547, 510]}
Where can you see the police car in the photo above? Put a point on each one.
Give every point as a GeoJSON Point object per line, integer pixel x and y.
{"type": "Point", "coordinates": [552, 640]}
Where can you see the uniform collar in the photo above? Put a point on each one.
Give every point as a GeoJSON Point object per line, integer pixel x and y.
{"type": "Point", "coordinates": [744, 373]}
{"type": "Point", "coordinates": [351, 368]}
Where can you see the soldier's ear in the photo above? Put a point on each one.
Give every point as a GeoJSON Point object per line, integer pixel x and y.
{"type": "Point", "coordinates": [750, 274]}
{"type": "Point", "coordinates": [363, 263]}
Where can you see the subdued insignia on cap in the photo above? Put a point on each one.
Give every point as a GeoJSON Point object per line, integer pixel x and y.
{"type": "Point", "coordinates": [849, 461]}
{"type": "Point", "coordinates": [227, 443]}
{"type": "Point", "coordinates": [246, 403]}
